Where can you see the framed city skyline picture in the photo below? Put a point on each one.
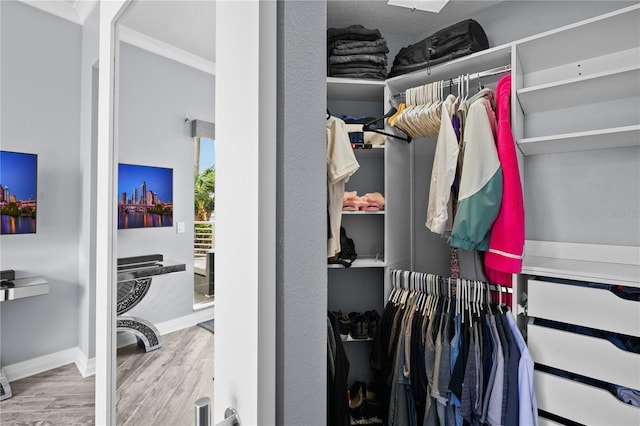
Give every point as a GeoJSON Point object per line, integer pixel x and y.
{"type": "Point", "coordinates": [18, 192]}
{"type": "Point", "coordinates": [145, 196]}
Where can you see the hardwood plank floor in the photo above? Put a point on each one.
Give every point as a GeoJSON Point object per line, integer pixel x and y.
{"type": "Point", "coordinates": [153, 389]}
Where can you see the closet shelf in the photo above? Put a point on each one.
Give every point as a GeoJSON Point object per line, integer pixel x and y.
{"type": "Point", "coordinates": [591, 38]}
{"type": "Point", "coordinates": [351, 339]}
{"type": "Point", "coordinates": [607, 264]}
{"type": "Point", "coordinates": [354, 89]}
{"type": "Point", "coordinates": [599, 87]}
{"type": "Point", "coordinates": [362, 262]}
{"type": "Point", "coordinates": [616, 137]}
{"type": "Point", "coordinates": [377, 151]}
{"type": "Point", "coordinates": [363, 212]}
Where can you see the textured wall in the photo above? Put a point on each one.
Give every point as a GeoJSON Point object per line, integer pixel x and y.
{"type": "Point", "coordinates": [301, 204]}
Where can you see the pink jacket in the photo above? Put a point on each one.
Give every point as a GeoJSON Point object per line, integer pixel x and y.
{"type": "Point", "coordinates": [507, 235]}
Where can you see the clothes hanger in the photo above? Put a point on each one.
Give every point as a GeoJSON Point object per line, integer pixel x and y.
{"type": "Point", "coordinates": [366, 127]}
{"type": "Point", "coordinates": [328, 114]}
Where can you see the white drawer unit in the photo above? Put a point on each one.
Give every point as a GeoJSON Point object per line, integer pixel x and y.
{"type": "Point", "coordinates": [571, 285]}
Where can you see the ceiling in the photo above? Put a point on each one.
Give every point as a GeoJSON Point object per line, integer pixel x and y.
{"type": "Point", "coordinates": [188, 25]}
{"type": "Point", "coordinates": [399, 20]}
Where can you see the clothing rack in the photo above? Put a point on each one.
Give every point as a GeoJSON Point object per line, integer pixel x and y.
{"type": "Point", "coordinates": [410, 278]}
{"type": "Point", "coordinates": [505, 69]}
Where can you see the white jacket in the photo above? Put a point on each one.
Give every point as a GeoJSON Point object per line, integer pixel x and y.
{"type": "Point", "coordinates": [444, 169]}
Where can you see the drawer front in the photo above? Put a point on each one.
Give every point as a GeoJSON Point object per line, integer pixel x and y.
{"type": "Point", "coordinates": [546, 422]}
{"type": "Point", "coordinates": [585, 355]}
{"type": "Point", "coordinates": [585, 306]}
{"type": "Point", "coordinates": [582, 403]}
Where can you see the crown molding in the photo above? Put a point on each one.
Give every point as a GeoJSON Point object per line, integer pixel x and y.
{"type": "Point", "coordinates": [76, 12]}
{"type": "Point", "coordinates": [150, 44]}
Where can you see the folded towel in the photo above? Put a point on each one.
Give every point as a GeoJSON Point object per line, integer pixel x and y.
{"type": "Point", "coordinates": [372, 201]}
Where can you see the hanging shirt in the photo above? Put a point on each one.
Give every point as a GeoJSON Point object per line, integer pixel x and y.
{"type": "Point", "coordinates": [528, 405]}
{"type": "Point", "coordinates": [341, 165]}
{"type": "Point", "coordinates": [444, 169]}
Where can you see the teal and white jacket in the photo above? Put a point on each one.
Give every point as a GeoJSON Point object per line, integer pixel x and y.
{"type": "Point", "coordinates": [481, 178]}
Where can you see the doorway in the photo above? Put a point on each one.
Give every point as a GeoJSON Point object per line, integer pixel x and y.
{"type": "Point", "coordinates": [204, 222]}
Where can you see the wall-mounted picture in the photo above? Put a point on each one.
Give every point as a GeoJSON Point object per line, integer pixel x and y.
{"type": "Point", "coordinates": [145, 196]}
{"type": "Point", "coordinates": [18, 192]}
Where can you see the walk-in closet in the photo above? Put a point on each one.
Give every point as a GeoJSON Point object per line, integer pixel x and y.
{"type": "Point", "coordinates": [567, 89]}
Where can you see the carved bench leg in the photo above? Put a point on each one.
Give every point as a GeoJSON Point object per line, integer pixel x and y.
{"type": "Point", "coordinates": [5, 388]}
{"type": "Point", "coordinates": [146, 333]}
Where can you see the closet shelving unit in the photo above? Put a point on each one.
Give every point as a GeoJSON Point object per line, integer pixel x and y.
{"type": "Point", "coordinates": [574, 89]}
{"type": "Point", "coordinates": [588, 74]}
{"type": "Point", "coordinates": [360, 288]}
{"type": "Point", "coordinates": [579, 67]}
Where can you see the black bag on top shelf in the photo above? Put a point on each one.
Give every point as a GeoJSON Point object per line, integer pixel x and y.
{"type": "Point", "coordinates": [452, 42]}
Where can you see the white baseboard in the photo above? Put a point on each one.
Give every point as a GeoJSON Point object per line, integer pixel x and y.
{"type": "Point", "coordinates": [40, 364]}
{"type": "Point", "coordinates": [176, 324]}
{"type": "Point", "coordinates": [87, 366]}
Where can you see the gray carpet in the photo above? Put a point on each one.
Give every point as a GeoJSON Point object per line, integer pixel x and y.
{"type": "Point", "coordinates": [208, 325]}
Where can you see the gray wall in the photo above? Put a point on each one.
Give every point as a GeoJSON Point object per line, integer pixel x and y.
{"type": "Point", "coordinates": [301, 215]}
{"type": "Point", "coordinates": [88, 159]}
{"type": "Point", "coordinates": [41, 114]}
{"type": "Point", "coordinates": [155, 94]}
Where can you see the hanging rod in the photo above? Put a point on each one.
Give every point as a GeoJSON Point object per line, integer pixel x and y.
{"type": "Point", "coordinates": [505, 69]}
{"type": "Point", "coordinates": [492, 287]}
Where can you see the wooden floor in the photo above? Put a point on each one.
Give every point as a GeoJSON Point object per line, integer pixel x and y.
{"type": "Point", "coordinates": [156, 388]}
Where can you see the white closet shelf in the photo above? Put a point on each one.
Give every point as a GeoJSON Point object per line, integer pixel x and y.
{"type": "Point", "coordinates": [601, 263]}
{"type": "Point", "coordinates": [376, 151]}
{"type": "Point", "coordinates": [616, 137]}
{"type": "Point", "coordinates": [362, 262]}
{"type": "Point", "coordinates": [587, 89]}
{"type": "Point", "coordinates": [351, 339]}
{"type": "Point", "coordinates": [583, 40]}
{"type": "Point", "coordinates": [476, 62]}
{"type": "Point", "coordinates": [354, 89]}
{"type": "Point", "coordinates": [363, 212]}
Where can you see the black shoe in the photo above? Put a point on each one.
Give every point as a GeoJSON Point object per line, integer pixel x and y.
{"type": "Point", "coordinates": [344, 324]}
{"type": "Point", "coordinates": [373, 321]}
{"type": "Point", "coordinates": [359, 325]}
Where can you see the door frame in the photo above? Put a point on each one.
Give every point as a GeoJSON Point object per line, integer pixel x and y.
{"type": "Point", "coordinates": [105, 388]}
{"type": "Point", "coordinates": [247, 243]}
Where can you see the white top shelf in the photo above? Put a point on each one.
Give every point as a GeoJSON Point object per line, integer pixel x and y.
{"type": "Point", "coordinates": [600, 87]}
{"type": "Point", "coordinates": [476, 62]}
{"type": "Point", "coordinates": [616, 137]}
{"type": "Point", "coordinates": [583, 40]}
{"type": "Point", "coordinates": [354, 89]}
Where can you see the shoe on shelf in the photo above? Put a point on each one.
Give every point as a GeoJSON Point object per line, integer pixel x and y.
{"type": "Point", "coordinates": [358, 401]}
{"type": "Point", "coordinates": [344, 324]}
{"type": "Point", "coordinates": [373, 321]}
{"type": "Point", "coordinates": [359, 325]}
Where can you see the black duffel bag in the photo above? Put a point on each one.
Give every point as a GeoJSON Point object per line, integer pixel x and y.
{"type": "Point", "coordinates": [452, 42]}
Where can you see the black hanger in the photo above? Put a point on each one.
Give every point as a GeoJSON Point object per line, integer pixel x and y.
{"type": "Point", "coordinates": [328, 114]}
{"type": "Point", "coordinates": [366, 127]}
